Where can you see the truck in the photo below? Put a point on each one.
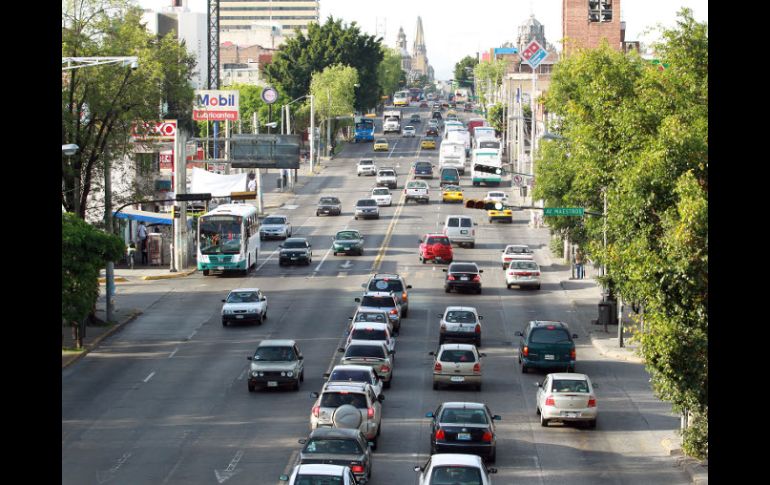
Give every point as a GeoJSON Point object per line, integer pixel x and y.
{"type": "Point", "coordinates": [452, 155]}
{"type": "Point", "coordinates": [391, 121]}
{"type": "Point", "coordinates": [474, 122]}
{"type": "Point", "coordinates": [461, 136]}
{"type": "Point", "coordinates": [364, 129]}
{"type": "Point", "coordinates": [417, 190]}
{"type": "Point", "coordinates": [386, 177]}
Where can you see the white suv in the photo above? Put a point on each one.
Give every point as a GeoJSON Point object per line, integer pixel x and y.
{"type": "Point", "coordinates": [366, 167]}
{"type": "Point", "coordinates": [382, 196]}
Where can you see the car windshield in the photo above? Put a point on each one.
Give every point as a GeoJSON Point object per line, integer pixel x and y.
{"type": "Point", "coordinates": [378, 301]}
{"type": "Point", "coordinates": [220, 234]}
{"type": "Point", "coordinates": [366, 162]}
{"type": "Point", "coordinates": [366, 202]}
{"type": "Point", "coordinates": [457, 355]}
{"type": "Point", "coordinates": [380, 192]}
{"type": "Point", "coordinates": [388, 173]}
{"type": "Point", "coordinates": [569, 385]}
{"type": "Point", "coordinates": [455, 475]}
{"type": "Point", "coordinates": [346, 235]}
{"type": "Point", "coordinates": [518, 250]}
{"type": "Point", "coordinates": [329, 200]}
{"type": "Point", "coordinates": [302, 244]}
{"type": "Point", "coordinates": [463, 268]}
{"type": "Point", "coordinates": [337, 399]}
{"type": "Point", "coordinates": [374, 351]}
{"type": "Point", "coordinates": [381, 140]}
{"type": "Point", "coordinates": [333, 446]}
{"type": "Point", "coordinates": [523, 265]}
{"type": "Point", "coordinates": [460, 415]}
{"type": "Point", "coordinates": [460, 316]}
{"type": "Point", "coordinates": [438, 240]}
{"type": "Point", "coordinates": [368, 334]}
{"type": "Point", "coordinates": [351, 375]}
{"type": "Point", "coordinates": [274, 220]}
{"type": "Point", "coordinates": [274, 354]}
{"type": "Point", "coordinates": [386, 285]}
{"type": "Point", "coordinates": [242, 297]}
{"type": "Point", "coordinates": [416, 185]}
{"type": "Point", "coordinates": [370, 317]}
{"type": "Point", "coordinates": [306, 479]}
{"type": "Point", "coordinates": [550, 336]}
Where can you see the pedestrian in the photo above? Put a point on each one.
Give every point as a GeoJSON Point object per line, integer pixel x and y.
{"type": "Point", "coordinates": [284, 176]}
{"type": "Point", "coordinates": [252, 186]}
{"type": "Point", "coordinates": [142, 235]}
{"type": "Point", "coordinates": [579, 261]}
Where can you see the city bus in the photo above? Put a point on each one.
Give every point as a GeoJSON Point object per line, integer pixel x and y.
{"type": "Point", "coordinates": [401, 98]}
{"type": "Point", "coordinates": [486, 167]}
{"type": "Point", "coordinates": [228, 239]}
{"type": "Point", "coordinates": [364, 129]}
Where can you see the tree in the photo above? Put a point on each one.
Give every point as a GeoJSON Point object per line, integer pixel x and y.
{"type": "Point", "coordinates": [640, 135]}
{"type": "Point", "coordinates": [334, 92]}
{"type": "Point", "coordinates": [463, 76]}
{"type": "Point", "coordinates": [100, 103]}
{"type": "Point", "coordinates": [85, 250]}
{"type": "Point", "coordinates": [326, 45]}
{"type": "Point", "coordinates": [489, 77]}
{"type": "Point", "coordinates": [389, 73]}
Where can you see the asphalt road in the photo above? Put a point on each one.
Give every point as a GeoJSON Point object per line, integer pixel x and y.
{"type": "Point", "coordinates": [165, 400]}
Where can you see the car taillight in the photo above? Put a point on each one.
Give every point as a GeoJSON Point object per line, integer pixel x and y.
{"type": "Point", "coordinates": [592, 402]}
{"type": "Point", "coordinates": [437, 367]}
{"type": "Point", "coordinates": [370, 413]}
{"type": "Point", "coordinates": [523, 273]}
{"type": "Point", "coordinates": [478, 328]}
{"type": "Point", "coordinates": [487, 438]}
{"type": "Point", "coordinates": [572, 354]}
{"type": "Point", "coordinates": [477, 278]}
{"type": "Point", "coordinates": [440, 435]}
{"type": "Point", "coordinates": [525, 352]}
{"type": "Point", "coordinates": [536, 273]}
{"type": "Point", "coordinates": [549, 401]}
{"type": "Point", "coordinates": [507, 259]}
{"type": "Point", "coordinates": [450, 278]}
{"type": "Point", "coordinates": [403, 296]}
{"type": "Point", "coordinates": [477, 367]}
{"type": "Point", "coordinates": [394, 312]}
{"type": "Point", "coordinates": [356, 468]}
{"type": "Point", "coordinates": [443, 327]}
{"type": "Point", "coordinates": [316, 410]}
{"type": "Point", "coordinates": [384, 368]}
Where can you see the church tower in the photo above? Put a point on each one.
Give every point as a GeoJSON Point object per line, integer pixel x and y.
{"type": "Point", "coordinates": [419, 57]}
{"type": "Point", "coordinates": [406, 59]}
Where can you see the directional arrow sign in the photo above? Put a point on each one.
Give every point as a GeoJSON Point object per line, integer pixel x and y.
{"type": "Point", "coordinates": [347, 265]}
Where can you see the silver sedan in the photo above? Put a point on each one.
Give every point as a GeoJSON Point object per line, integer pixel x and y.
{"type": "Point", "coordinates": [566, 397]}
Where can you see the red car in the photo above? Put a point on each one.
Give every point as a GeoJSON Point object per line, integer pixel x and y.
{"type": "Point", "coordinates": [436, 248]}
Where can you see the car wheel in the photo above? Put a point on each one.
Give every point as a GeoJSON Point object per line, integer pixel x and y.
{"type": "Point", "coordinates": [261, 237]}
{"type": "Point", "coordinates": [490, 221]}
{"type": "Point", "coordinates": [592, 424]}
{"type": "Point", "coordinates": [355, 217]}
{"type": "Point", "coordinates": [264, 315]}
{"type": "Point", "coordinates": [387, 384]}
{"type": "Point", "coordinates": [441, 340]}
{"type": "Point", "coordinates": [435, 386]}
{"type": "Point", "coordinates": [259, 321]}
{"type": "Point", "coordinates": [478, 292]}
{"type": "Point", "coordinates": [317, 214]}
{"type": "Point", "coordinates": [447, 289]}
{"type": "Point", "coordinates": [543, 421]}
{"type": "Point", "coordinates": [334, 253]}
{"type": "Point", "coordinates": [523, 369]}
{"type": "Point", "coordinates": [537, 287]}
{"type": "Point", "coordinates": [508, 285]}
{"type": "Point", "coordinates": [570, 369]}
{"type": "Point", "coordinates": [478, 343]}
{"type": "Point", "coordinates": [478, 387]}
{"type": "Point", "coordinates": [493, 458]}
{"type": "Point", "coordinates": [473, 245]}
{"type": "Point", "coordinates": [224, 323]}
{"type": "Point", "coordinates": [379, 429]}
{"type": "Point", "coordinates": [405, 313]}
{"type": "Point", "coordinates": [251, 387]}
{"type": "Point", "coordinates": [302, 376]}
{"type": "Point", "coordinates": [537, 410]}
{"type": "Point", "coordinates": [205, 272]}
{"type": "Point", "coordinates": [422, 260]}
{"type": "Point", "coordinates": [374, 442]}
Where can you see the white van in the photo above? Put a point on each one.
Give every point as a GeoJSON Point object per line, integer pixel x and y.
{"type": "Point", "coordinates": [452, 155]}
{"type": "Point", "coordinates": [463, 136]}
{"type": "Point", "coordinates": [460, 230]}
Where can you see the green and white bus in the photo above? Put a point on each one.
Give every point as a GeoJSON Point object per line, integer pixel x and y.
{"type": "Point", "coordinates": [228, 239]}
{"type": "Point", "coordinates": [486, 167]}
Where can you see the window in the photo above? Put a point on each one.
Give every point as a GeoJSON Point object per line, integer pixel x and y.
{"type": "Point", "coordinates": [333, 446]}
{"type": "Point", "coordinates": [453, 222]}
{"type": "Point", "coordinates": [458, 316]}
{"type": "Point", "coordinates": [457, 415]}
{"type": "Point", "coordinates": [451, 474]}
{"type": "Point", "coordinates": [550, 336]}
{"type": "Point", "coordinates": [457, 356]}
{"type": "Point", "coordinates": [374, 351]}
{"type": "Point", "coordinates": [569, 385]}
{"type": "Point", "coordinates": [368, 334]}
{"type": "Point", "coordinates": [386, 285]}
{"type": "Point", "coordinates": [466, 223]}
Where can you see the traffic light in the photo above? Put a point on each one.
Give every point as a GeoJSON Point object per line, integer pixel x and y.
{"type": "Point", "coordinates": [483, 205]}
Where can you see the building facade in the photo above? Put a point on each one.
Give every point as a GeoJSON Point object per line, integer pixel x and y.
{"type": "Point", "coordinates": [416, 64]}
{"type": "Point", "coordinates": [585, 23]}
{"type": "Point", "coordinates": [276, 19]}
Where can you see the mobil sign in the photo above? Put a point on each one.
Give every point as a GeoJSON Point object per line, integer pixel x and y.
{"type": "Point", "coordinates": [215, 105]}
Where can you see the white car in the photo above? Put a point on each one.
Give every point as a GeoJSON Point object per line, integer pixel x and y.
{"type": "Point", "coordinates": [409, 132]}
{"type": "Point", "coordinates": [566, 397]}
{"type": "Point", "coordinates": [444, 468]}
{"type": "Point", "coordinates": [321, 474]}
{"type": "Point", "coordinates": [522, 273]}
{"type": "Point", "coordinates": [366, 167]}
{"type": "Point", "coordinates": [379, 332]}
{"type": "Point", "coordinates": [497, 196]}
{"type": "Point", "coordinates": [516, 252]}
{"type": "Point", "coordinates": [244, 305]}
{"type": "Point", "coordinates": [355, 373]}
{"type": "Point", "coordinates": [460, 323]}
{"type": "Point", "coordinates": [382, 196]}
{"type": "Point", "coordinates": [275, 226]}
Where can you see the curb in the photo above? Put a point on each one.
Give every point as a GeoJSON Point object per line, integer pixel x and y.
{"type": "Point", "coordinates": [697, 471]}
{"type": "Point", "coordinates": [98, 340]}
{"type": "Point", "coordinates": [117, 279]}
{"type": "Point", "coordinates": [169, 276]}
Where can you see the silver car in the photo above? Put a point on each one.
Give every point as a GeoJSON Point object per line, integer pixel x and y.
{"type": "Point", "coordinates": [361, 397]}
{"type": "Point", "coordinates": [367, 208]}
{"type": "Point", "coordinates": [276, 363]}
{"type": "Point", "coordinates": [383, 301]}
{"type": "Point", "coordinates": [366, 167]}
{"type": "Point", "coordinates": [244, 305]}
{"type": "Point", "coordinates": [461, 323]}
{"type": "Point", "coordinates": [391, 282]}
{"type": "Point", "coordinates": [522, 273]}
{"type": "Point", "coordinates": [566, 397]}
{"type": "Point", "coordinates": [409, 132]}
{"type": "Point", "coordinates": [355, 373]}
{"type": "Point", "coordinates": [373, 353]}
{"type": "Point", "coordinates": [373, 316]}
{"type": "Point", "coordinates": [275, 226]}
{"type": "Point", "coordinates": [457, 365]}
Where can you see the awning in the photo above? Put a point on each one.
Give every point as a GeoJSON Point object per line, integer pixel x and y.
{"type": "Point", "coordinates": [148, 217]}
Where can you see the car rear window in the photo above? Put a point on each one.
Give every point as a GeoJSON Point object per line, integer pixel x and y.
{"type": "Point", "coordinates": [438, 240]}
{"type": "Point", "coordinates": [460, 355]}
{"type": "Point", "coordinates": [465, 222]}
{"type": "Point", "coordinates": [333, 446]}
{"type": "Point", "coordinates": [369, 334]}
{"type": "Point", "coordinates": [518, 250]}
{"type": "Point", "coordinates": [350, 375]}
{"type": "Point", "coordinates": [424, 164]}
{"type": "Point", "coordinates": [523, 265]}
{"type": "Point", "coordinates": [569, 385]}
{"type": "Point", "coordinates": [366, 162]}
{"type": "Point", "coordinates": [376, 351]}
{"type": "Point", "coordinates": [460, 316]}
{"type": "Point", "coordinates": [416, 185]}
{"type": "Point", "coordinates": [451, 474]}
{"type": "Point", "coordinates": [370, 317]}
{"type": "Point", "coordinates": [386, 285]}
{"type": "Point", "coordinates": [380, 192]}
{"type": "Point", "coordinates": [458, 415]}
{"type": "Point", "coordinates": [549, 336]}
{"type": "Point", "coordinates": [337, 399]}
{"type": "Point", "coordinates": [463, 268]}
{"type": "Point", "coordinates": [329, 200]}
{"type": "Point", "coordinates": [387, 173]}
{"type": "Point", "coordinates": [378, 301]}
{"type": "Point", "coordinates": [289, 244]}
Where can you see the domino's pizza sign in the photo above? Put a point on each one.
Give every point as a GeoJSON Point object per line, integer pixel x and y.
{"type": "Point", "coordinates": [534, 54]}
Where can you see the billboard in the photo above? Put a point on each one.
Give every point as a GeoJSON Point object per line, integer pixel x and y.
{"type": "Point", "coordinates": [153, 130]}
{"type": "Point", "coordinates": [216, 105]}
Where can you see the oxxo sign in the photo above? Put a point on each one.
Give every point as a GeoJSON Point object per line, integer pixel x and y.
{"type": "Point", "coordinates": [216, 105]}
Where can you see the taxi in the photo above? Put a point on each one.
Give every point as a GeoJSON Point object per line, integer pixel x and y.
{"type": "Point", "coordinates": [500, 213]}
{"type": "Point", "coordinates": [452, 193]}
{"type": "Point", "coordinates": [428, 142]}
{"type": "Point", "coordinates": [380, 144]}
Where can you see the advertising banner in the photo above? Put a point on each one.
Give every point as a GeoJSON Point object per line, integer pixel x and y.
{"type": "Point", "coordinates": [216, 105]}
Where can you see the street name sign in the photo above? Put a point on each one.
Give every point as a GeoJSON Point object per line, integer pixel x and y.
{"type": "Point", "coordinates": [534, 54]}
{"type": "Point", "coordinates": [186, 197]}
{"type": "Point", "coordinates": [563, 211]}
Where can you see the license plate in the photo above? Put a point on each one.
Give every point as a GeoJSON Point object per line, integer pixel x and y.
{"type": "Point", "coordinates": [463, 231]}
{"type": "Point", "coordinates": [220, 268]}
{"type": "Point", "coordinates": [464, 278]}
{"type": "Point", "coordinates": [568, 414]}
{"type": "Point", "coordinates": [294, 259]}
{"type": "Point", "coordinates": [272, 384]}
{"type": "Point", "coordinates": [239, 316]}
{"type": "Point", "coordinates": [457, 379]}
{"type": "Point", "coordinates": [548, 357]}
{"type": "Point", "coordinates": [463, 436]}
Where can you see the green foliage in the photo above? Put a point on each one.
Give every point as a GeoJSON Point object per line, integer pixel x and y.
{"type": "Point", "coordinates": [495, 116]}
{"type": "Point", "coordinates": [389, 73]}
{"type": "Point", "coordinates": [463, 78]}
{"type": "Point", "coordinates": [85, 250]}
{"type": "Point", "coordinates": [100, 103]}
{"type": "Point", "coordinates": [641, 135]}
{"type": "Point", "coordinates": [334, 90]}
{"type": "Point", "coordinates": [489, 76]}
{"type": "Point", "coordinates": [326, 45]}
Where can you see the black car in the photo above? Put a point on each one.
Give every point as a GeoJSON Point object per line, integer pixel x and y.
{"type": "Point", "coordinates": [423, 169]}
{"type": "Point", "coordinates": [295, 250]}
{"type": "Point", "coordinates": [338, 446]}
{"type": "Point", "coordinates": [415, 118]}
{"type": "Point", "coordinates": [329, 206]}
{"type": "Point", "coordinates": [464, 427]}
{"type": "Point", "coordinates": [431, 132]}
{"type": "Point", "coordinates": [463, 276]}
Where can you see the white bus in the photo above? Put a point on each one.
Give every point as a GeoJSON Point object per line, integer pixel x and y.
{"type": "Point", "coordinates": [401, 98]}
{"type": "Point", "coordinates": [228, 239]}
{"type": "Point", "coordinates": [486, 167]}
{"type": "Point", "coordinates": [452, 155]}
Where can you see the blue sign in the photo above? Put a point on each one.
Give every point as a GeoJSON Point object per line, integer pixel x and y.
{"type": "Point", "coordinates": [537, 58]}
{"type": "Point", "coordinates": [506, 50]}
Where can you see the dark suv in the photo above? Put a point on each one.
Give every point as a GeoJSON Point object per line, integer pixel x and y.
{"type": "Point", "coordinates": [394, 283]}
{"type": "Point", "coordinates": [547, 345]}
{"type": "Point", "coordinates": [423, 169]}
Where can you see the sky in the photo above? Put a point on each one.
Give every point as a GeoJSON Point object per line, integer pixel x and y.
{"type": "Point", "coordinates": [454, 29]}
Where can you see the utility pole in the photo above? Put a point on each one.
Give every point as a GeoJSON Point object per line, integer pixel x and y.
{"type": "Point", "coordinates": [260, 204]}
{"type": "Point", "coordinates": [180, 216]}
{"type": "Point", "coordinates": [311, 137]}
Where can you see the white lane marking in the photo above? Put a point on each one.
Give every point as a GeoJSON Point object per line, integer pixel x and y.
{"type": "Point", "coordinates": [394, 147]}
{"type": "Point", "coordinates": [243, 373]}
{"type": "Point", "coordinates": [318, 268]}
{"type": "Point", "coordinates": [149, 377]}
{"type": "Point", "coordinates": [268, 258]}
{"type": "Point", "coordinates": [347, 264]}
{"type": "Point", "coordinates": [102, 477]}
{"type": "Point", "coordinates": [192, 334]}
{"type": "Point", "coordinates": [227, 473]}
{"type": "Point", "coordinates": [174, 352]}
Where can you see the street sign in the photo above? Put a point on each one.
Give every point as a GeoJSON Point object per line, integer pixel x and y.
{"type": "Point", "coordinates": [186, 197]}
{"type": "Point", "coordinates": [563, 211]}
{"type": "Point", "coordinates": [265, 151]}
{"type": "Point", "coordinates": [518, 180]}
{"type": "Point", "coordinates": [216, 105]}
{"type": "Point", "coordinates": [269, 95]}
{"type": "Point", "coordinates": [534, 54]}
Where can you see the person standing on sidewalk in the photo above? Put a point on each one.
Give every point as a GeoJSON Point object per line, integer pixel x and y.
{"type": "Point", "coordinates": [252, 185]}
{"type": "Point", "coordinates": [579, 261]}
{"type": "Point", "coordinates": [142, 235]}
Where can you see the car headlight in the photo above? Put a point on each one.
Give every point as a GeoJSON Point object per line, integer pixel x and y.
{"type": "Point", "coordinates": [236, 258]}
{"type": "Point", "coordinates": [227, 312]}
{"type": "Point", "coordinates": [290, 374]}
{"type": "Point", "coordinates": [255, 374]}
{"type": "Point", "coordinates": [283, 374]}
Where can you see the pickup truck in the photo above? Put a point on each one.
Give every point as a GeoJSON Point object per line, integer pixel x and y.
{"type": "Point", "coordinates": [386, 177]}
{"type": "Point", "coordinates": [417, 190]}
